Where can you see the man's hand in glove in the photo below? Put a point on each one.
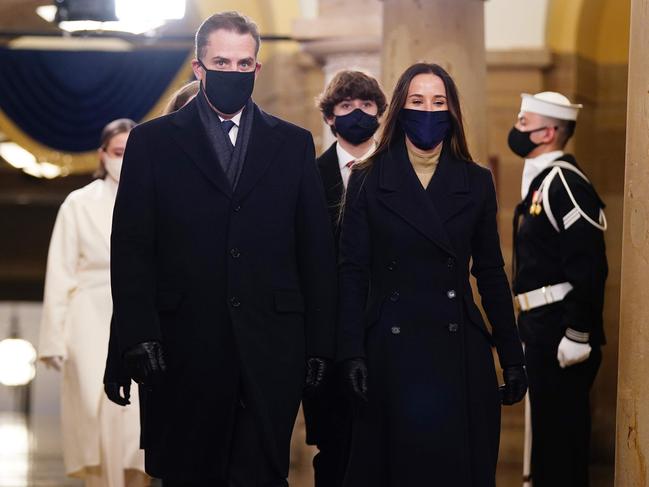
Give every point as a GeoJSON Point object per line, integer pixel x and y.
{"type": "Point", "coordinates": [114, 393]}
{"type": "Point", "coordinates": [145, 363]}
{"type": "Point", "coordinates": [571, 352]}
{"type": "Point", "coordinates": [515, 386]}
{"type": "Point", "coordinates": [355, 378]}
{"type": "Point", "coordinates": [317, 374]}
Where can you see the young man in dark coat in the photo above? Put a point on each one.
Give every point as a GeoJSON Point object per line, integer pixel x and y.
{"type": "Point", "coordinates": [223, 274]}
{"type": "Point", "coordinates": [351, 105]}
{"type": "Point", "coordinates": [560, 271]}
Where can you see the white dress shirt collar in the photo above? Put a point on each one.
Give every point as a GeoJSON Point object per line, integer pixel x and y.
{"type": "Point", "coordinates": [236, 119]}
{"type": "Point", "coordinates": [234, 131]}
{"type": "Point", "coordinates": [345, 158]}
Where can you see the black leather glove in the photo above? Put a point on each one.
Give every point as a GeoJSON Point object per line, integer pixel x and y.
{"type": "Point", "coordinates": [114, 393]}
{"type": "Point", "coordinates": [515, 386]}
{"type": "Point", "coordinates": [355, 378]}
{"type": "Point", "coordinates": [317, 375]}
{"type": "Point", "coordinates": [145, 363]}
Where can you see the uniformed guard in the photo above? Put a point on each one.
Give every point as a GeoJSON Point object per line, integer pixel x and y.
{"type": "Point", "coordinates": [559, 274]}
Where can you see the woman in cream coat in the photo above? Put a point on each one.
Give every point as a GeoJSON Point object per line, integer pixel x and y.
{"type": "Point", "coordinates": [100, 439]}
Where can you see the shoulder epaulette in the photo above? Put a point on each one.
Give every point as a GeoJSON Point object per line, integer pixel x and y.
{"type": "Point", "coordinates": [576, 213]}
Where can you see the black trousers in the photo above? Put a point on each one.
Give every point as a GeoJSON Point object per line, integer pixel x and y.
{"type": "Point", "coordinates": [561, 421]}
{"type": "Point", "coordinates": [249, 465]}
{"type": "Point", "coordinates": [328, 421]}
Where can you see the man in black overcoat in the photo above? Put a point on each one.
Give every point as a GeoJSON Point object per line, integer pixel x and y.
{"type": "Point", "coordinates": [559, 278]}
{"type": "Point", "coordinates": [351, 105]}
{"type": "Point", "coordinates": [223, 275]}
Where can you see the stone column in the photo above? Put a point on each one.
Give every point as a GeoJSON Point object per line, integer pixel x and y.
{"type": "Point", "coordinates": [632, 448]}
{"type": "Point", "coordinates": [451, 34]}
{"type": "Point", "coordinates": [344, 35]}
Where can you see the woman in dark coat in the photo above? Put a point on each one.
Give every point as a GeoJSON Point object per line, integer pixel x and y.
{"type": "Point", "coordinates": [416, 353]}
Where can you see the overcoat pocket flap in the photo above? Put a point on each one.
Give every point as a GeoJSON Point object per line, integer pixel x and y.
{"type": "Point", "coordinates": [168, 300]}
{"type": "Point", "coordinates": [289, 302]}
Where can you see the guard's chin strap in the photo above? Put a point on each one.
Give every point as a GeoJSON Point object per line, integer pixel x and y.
{"type": "Point", "coordinates": [572, 216]}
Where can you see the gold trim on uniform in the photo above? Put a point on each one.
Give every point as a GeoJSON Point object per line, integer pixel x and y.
{"type": "Point", "coordinates": [535, 207]}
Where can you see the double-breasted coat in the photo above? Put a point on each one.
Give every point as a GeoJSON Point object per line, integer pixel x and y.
{"type": "Point", "coordinates": [77, 310]}
{"type": "Point", "coordinates": [238, 285]}
{"type": "Point", "coordinates": [406, 305]}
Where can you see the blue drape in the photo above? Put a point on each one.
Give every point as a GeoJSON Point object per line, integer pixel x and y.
{"type": "Point", "coordinates": [63, 99]}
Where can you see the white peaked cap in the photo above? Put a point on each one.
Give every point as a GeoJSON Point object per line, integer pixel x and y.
{"type": "Point", "coordinates": [550, 104]}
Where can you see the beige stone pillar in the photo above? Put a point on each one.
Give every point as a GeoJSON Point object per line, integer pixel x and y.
{"type": "Point", "coordinates": [451, 34]}
{"type": "Point", "coordinates": [344, 35]}
{"type": "Point", "coordinates": [632, 448]}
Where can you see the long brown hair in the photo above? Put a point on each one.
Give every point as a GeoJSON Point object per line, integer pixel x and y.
{"type": "Point", "coordinates": [392, 129]}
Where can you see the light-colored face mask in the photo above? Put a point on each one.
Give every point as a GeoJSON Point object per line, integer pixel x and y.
{"type": "Point", "coordinates": [113, 166]}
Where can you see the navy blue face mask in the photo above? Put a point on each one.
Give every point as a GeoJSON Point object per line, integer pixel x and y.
{"type": "Point", "coordinates": [425, 129]}
{"type": "Point", "coordinates": [228, 91]}
{"type": "Point", "coordinates": [356, 127]}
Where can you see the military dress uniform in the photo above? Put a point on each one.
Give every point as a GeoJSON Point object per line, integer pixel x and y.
{"type": "Point", "coordinates": [559, 273]}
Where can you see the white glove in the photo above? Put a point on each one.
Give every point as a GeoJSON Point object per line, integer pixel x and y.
{"type": "Point", "coordinates": [571, 353]}
{"type": "Point", "coordinates": [55, 362]}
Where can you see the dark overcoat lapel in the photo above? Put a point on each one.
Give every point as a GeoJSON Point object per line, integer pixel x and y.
{"type": "Point", "coordinates": [264, 143]}
{"type": "Point", "coordinates": [330, 174]}
{"type": "Point", "coordinates": [402, 193]}
{"type": "Point", "coordinates": [449, 187]}
{"type": "Point", "coordinates": [192, 137]}
{"type": "Point", "coordinates": [333, 183]}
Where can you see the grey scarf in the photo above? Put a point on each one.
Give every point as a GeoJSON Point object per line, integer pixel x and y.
{"type": "Point", "coordinates": [230, 158]}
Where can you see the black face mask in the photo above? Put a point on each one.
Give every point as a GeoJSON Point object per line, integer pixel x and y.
{"type": "Point", "coordinates": [425, 129]}
{"type": "Point", "coordinates": [356, 127]}
{"type": "Point", "coordinates": [228, 91]}
{"type": "Point", "coordinates": [520, 142]}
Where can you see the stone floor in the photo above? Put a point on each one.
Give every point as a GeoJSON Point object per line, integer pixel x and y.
{"type": "Point", "coordinates": [30, 457]}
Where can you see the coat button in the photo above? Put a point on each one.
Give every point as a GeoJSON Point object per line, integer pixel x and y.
{"type": "Point", "coordinates": [235, 253]}
{"type": "Point", "coordinates": [450, 263]}
{"type": "Point", "coordinates": [453, 327]}
{"type": "Point", "coordinates": [451, 294]}
{"type": "Point", "coordinates": [237, 208]}
{"type": "Point", "coordinates": [395, 330]}
{"type": "Point", "coordinates": [392, 265]}
{"type": "Point", "coordinates": [394, 297]}
{"type": "Point", "coordinates": [234, 302]}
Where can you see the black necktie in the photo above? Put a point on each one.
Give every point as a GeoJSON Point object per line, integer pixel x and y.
{"type": "Point", "coordinates": [227, 125]}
